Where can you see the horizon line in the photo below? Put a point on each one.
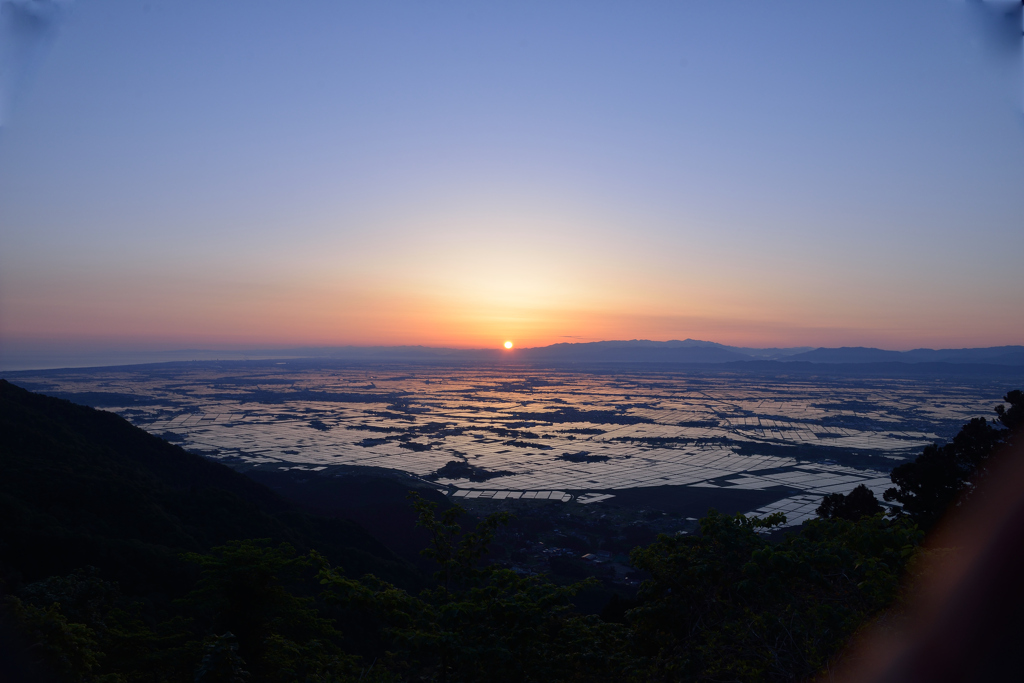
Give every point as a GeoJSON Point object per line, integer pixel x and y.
{"type": "Point", "coordinates": [97, 357]}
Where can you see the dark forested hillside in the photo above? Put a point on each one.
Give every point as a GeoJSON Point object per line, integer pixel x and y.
{"type": "Point", "coordinates": [81, 487]}
{"type": "Point", "coordinates": [126, 559]}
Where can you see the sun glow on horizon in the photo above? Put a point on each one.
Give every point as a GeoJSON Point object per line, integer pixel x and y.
{"type": "Point", "coordinates": [508, 345]}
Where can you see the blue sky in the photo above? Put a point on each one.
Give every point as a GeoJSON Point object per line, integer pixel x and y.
{"type": "Point", "coordinates": [235, 174]}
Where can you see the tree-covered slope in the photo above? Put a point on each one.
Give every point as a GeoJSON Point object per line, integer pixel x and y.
{"type": "Point", "coordinates": [80, 487]}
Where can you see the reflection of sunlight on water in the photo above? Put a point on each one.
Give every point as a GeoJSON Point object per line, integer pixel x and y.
{"type": "Point", "coordinates": [545, 431]}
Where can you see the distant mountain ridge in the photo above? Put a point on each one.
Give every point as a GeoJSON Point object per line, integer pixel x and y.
{"type": "Point", "coordinates": [685, 352]}
{"type": "Point", "coordinates": [996, 355]}
{"type": "Point", "coordinates": [696, 351]}
{"type": "Point", "coordinates": [636, 350]}
{"type": "Point", "coordinates": [678, 351]}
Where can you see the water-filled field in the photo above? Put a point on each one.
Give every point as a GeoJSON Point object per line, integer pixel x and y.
{"type": "Point", "coordinates": [529, 434]}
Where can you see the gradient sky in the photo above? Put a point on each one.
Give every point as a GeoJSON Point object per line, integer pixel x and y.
{"type": "Point", "coordinates": [246, 173]}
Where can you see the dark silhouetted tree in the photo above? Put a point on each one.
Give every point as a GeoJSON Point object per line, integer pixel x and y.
{"type": "Point", "coordinates": [1012, 418]}
{"type": "Point", "coordinates": [69, 650]}
{"type": "Point", "coordinates": [245, 590]}
{"type": "Point", "coordinates": [221, 663]}
{"type": "Point", "coordinates": [731, 605]}
{"type": "Point", "coordinates": [860, 502]}
{"type": "Point", "coordinates": [481, 622]}
{"type": "Point", "coordinates": [943, 476]}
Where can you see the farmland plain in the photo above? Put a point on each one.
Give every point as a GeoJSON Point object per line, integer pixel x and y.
{"type": "Point", "coordinates": [775, 442]}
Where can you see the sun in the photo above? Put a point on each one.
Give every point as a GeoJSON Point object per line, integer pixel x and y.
{"type": "Point", "coordinates": [508, 345]}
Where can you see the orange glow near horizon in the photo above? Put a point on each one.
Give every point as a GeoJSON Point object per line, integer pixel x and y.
{"type": "Point", "coordinates": [453, 284]}
{"type": "Point", "coordinates": [282, 314]}
{"type": "Point", "coordinates": [290, 321]}
{"type": "Point", "coordinates": [508, 345]}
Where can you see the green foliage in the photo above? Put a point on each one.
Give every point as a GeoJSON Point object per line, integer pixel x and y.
{"type": "Point", "coordinates": [456, 553]}
{"type": "Point", "coordinates": [83, 596]}
{"type": "Point", "coordinates": [243, 591]}
{"type": "Point", "coordinates": [727, 604]}
{"type": "Point", "coordinates": [125, 647]}
{"type": "Point", "coordinates": [731, 602]}
{"type": "Point", "coordinates": [482, 623]}
{"type": "Point", "coordinates": [221, 662]}
{"type": "Point", "coordinates": [730, 605]}
{"type": "Point", "coordinates": [70, 650]}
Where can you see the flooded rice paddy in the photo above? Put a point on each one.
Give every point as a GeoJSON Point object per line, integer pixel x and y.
{"type": "Point", "coordinates": [556, 435]}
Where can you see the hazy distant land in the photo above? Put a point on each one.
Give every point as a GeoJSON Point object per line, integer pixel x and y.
{"type": "Point", "coordinates": [692, 352]}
